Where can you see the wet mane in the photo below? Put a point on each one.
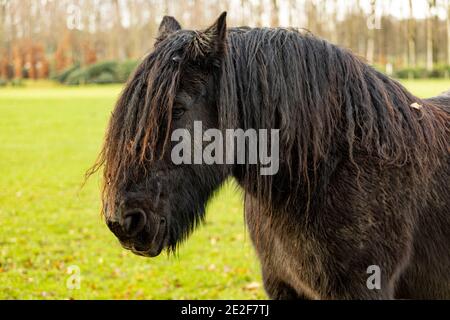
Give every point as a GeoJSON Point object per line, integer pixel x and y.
{"type": "Point", "coordinates": [323, 98]}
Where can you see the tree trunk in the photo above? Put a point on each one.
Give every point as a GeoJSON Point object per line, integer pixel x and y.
{"type": "Point", "coordinates": [259, 8]}
{"type": "Point", "coordinates": [275, 14]}
{"type": "Point", "coordinates": [243, 15]}
{"type": "Point", "coordinates": [448, 32]}
{"type": "Point", "coordinates": [411, 37]}
{"type": "Point", "coordinates": [371, 23]}
{"type": "Point", "coordinates": [2, 22]}
{"type": "Point", "coordinates": [116, 36]}
{"type": "Point", "coordinates": [293, 13]}
{"type": "Point", "coordinates": [431, 7]}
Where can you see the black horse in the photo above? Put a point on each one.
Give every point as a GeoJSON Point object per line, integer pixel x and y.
{"type": "Point", "coordinates": [364, 168]}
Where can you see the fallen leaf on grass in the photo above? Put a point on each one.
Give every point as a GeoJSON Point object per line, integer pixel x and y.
{"type": "Point", "coordinates": [212, 267]}
{"type": "Point", "coordinates": [252, 286]}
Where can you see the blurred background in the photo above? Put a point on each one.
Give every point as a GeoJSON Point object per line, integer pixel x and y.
{"type": "Point", "coordinates": [54, 38]}
{"type": "Point", "coordinates": [62, 65]}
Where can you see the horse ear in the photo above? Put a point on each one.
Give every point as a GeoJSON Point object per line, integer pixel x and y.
{"type": "Point", "coordinates": [168, 26]}
{"type": "Point", "coordinates": [216, 35]}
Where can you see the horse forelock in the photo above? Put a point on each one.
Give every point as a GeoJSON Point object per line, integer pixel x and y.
{"type": "Point", "coordinates": [141, 118]}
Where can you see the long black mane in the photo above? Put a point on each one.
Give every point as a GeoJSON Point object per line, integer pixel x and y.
{"type": "Point", "coordinates": [324, 99]}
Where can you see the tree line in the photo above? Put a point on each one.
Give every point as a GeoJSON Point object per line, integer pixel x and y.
{"type": "Point", "coordinates": [43, 38]}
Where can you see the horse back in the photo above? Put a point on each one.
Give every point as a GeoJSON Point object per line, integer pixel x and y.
{"type": "Point", "coordinates": [443, 101]}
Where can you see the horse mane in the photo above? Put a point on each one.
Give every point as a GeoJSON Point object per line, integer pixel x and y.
{"type": "Point", "coordinates": [326, 100]}
{"type": "Point", "coordinates": [322, 97]}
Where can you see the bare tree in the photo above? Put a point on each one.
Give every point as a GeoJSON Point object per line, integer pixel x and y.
{"type": "Point", "coordinates": [448, 32]}
{"type": "Point", "coordinates": [275, 14]}
{"type": "Point", "coordinates": [293, 14]}
{"type": "Point", "coordinates": [371, 24]}
{"type": "Point", "coordinates": [411, 36]}
{"type": "Point", "coordinates": [431, 14]}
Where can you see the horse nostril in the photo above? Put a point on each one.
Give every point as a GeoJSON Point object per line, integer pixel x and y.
{"type": "Point", "coordinates": [133, 222]}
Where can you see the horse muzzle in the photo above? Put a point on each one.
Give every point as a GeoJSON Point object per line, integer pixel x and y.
{"type": "Point", "coordinates": [145, 234]}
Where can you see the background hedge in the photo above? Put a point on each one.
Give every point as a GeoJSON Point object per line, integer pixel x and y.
{"type": "Point", "coordinates": [99, 73]}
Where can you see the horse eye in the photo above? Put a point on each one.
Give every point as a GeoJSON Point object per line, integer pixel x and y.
{"type": "Point", "coordinates": [177, 113]}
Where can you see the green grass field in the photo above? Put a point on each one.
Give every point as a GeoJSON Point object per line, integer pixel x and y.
{"type": "Point", "coordinates": [49, 136]}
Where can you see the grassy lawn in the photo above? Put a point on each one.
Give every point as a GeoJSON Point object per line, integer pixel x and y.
{"type": "Point", "coordinates": [49, 136]}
